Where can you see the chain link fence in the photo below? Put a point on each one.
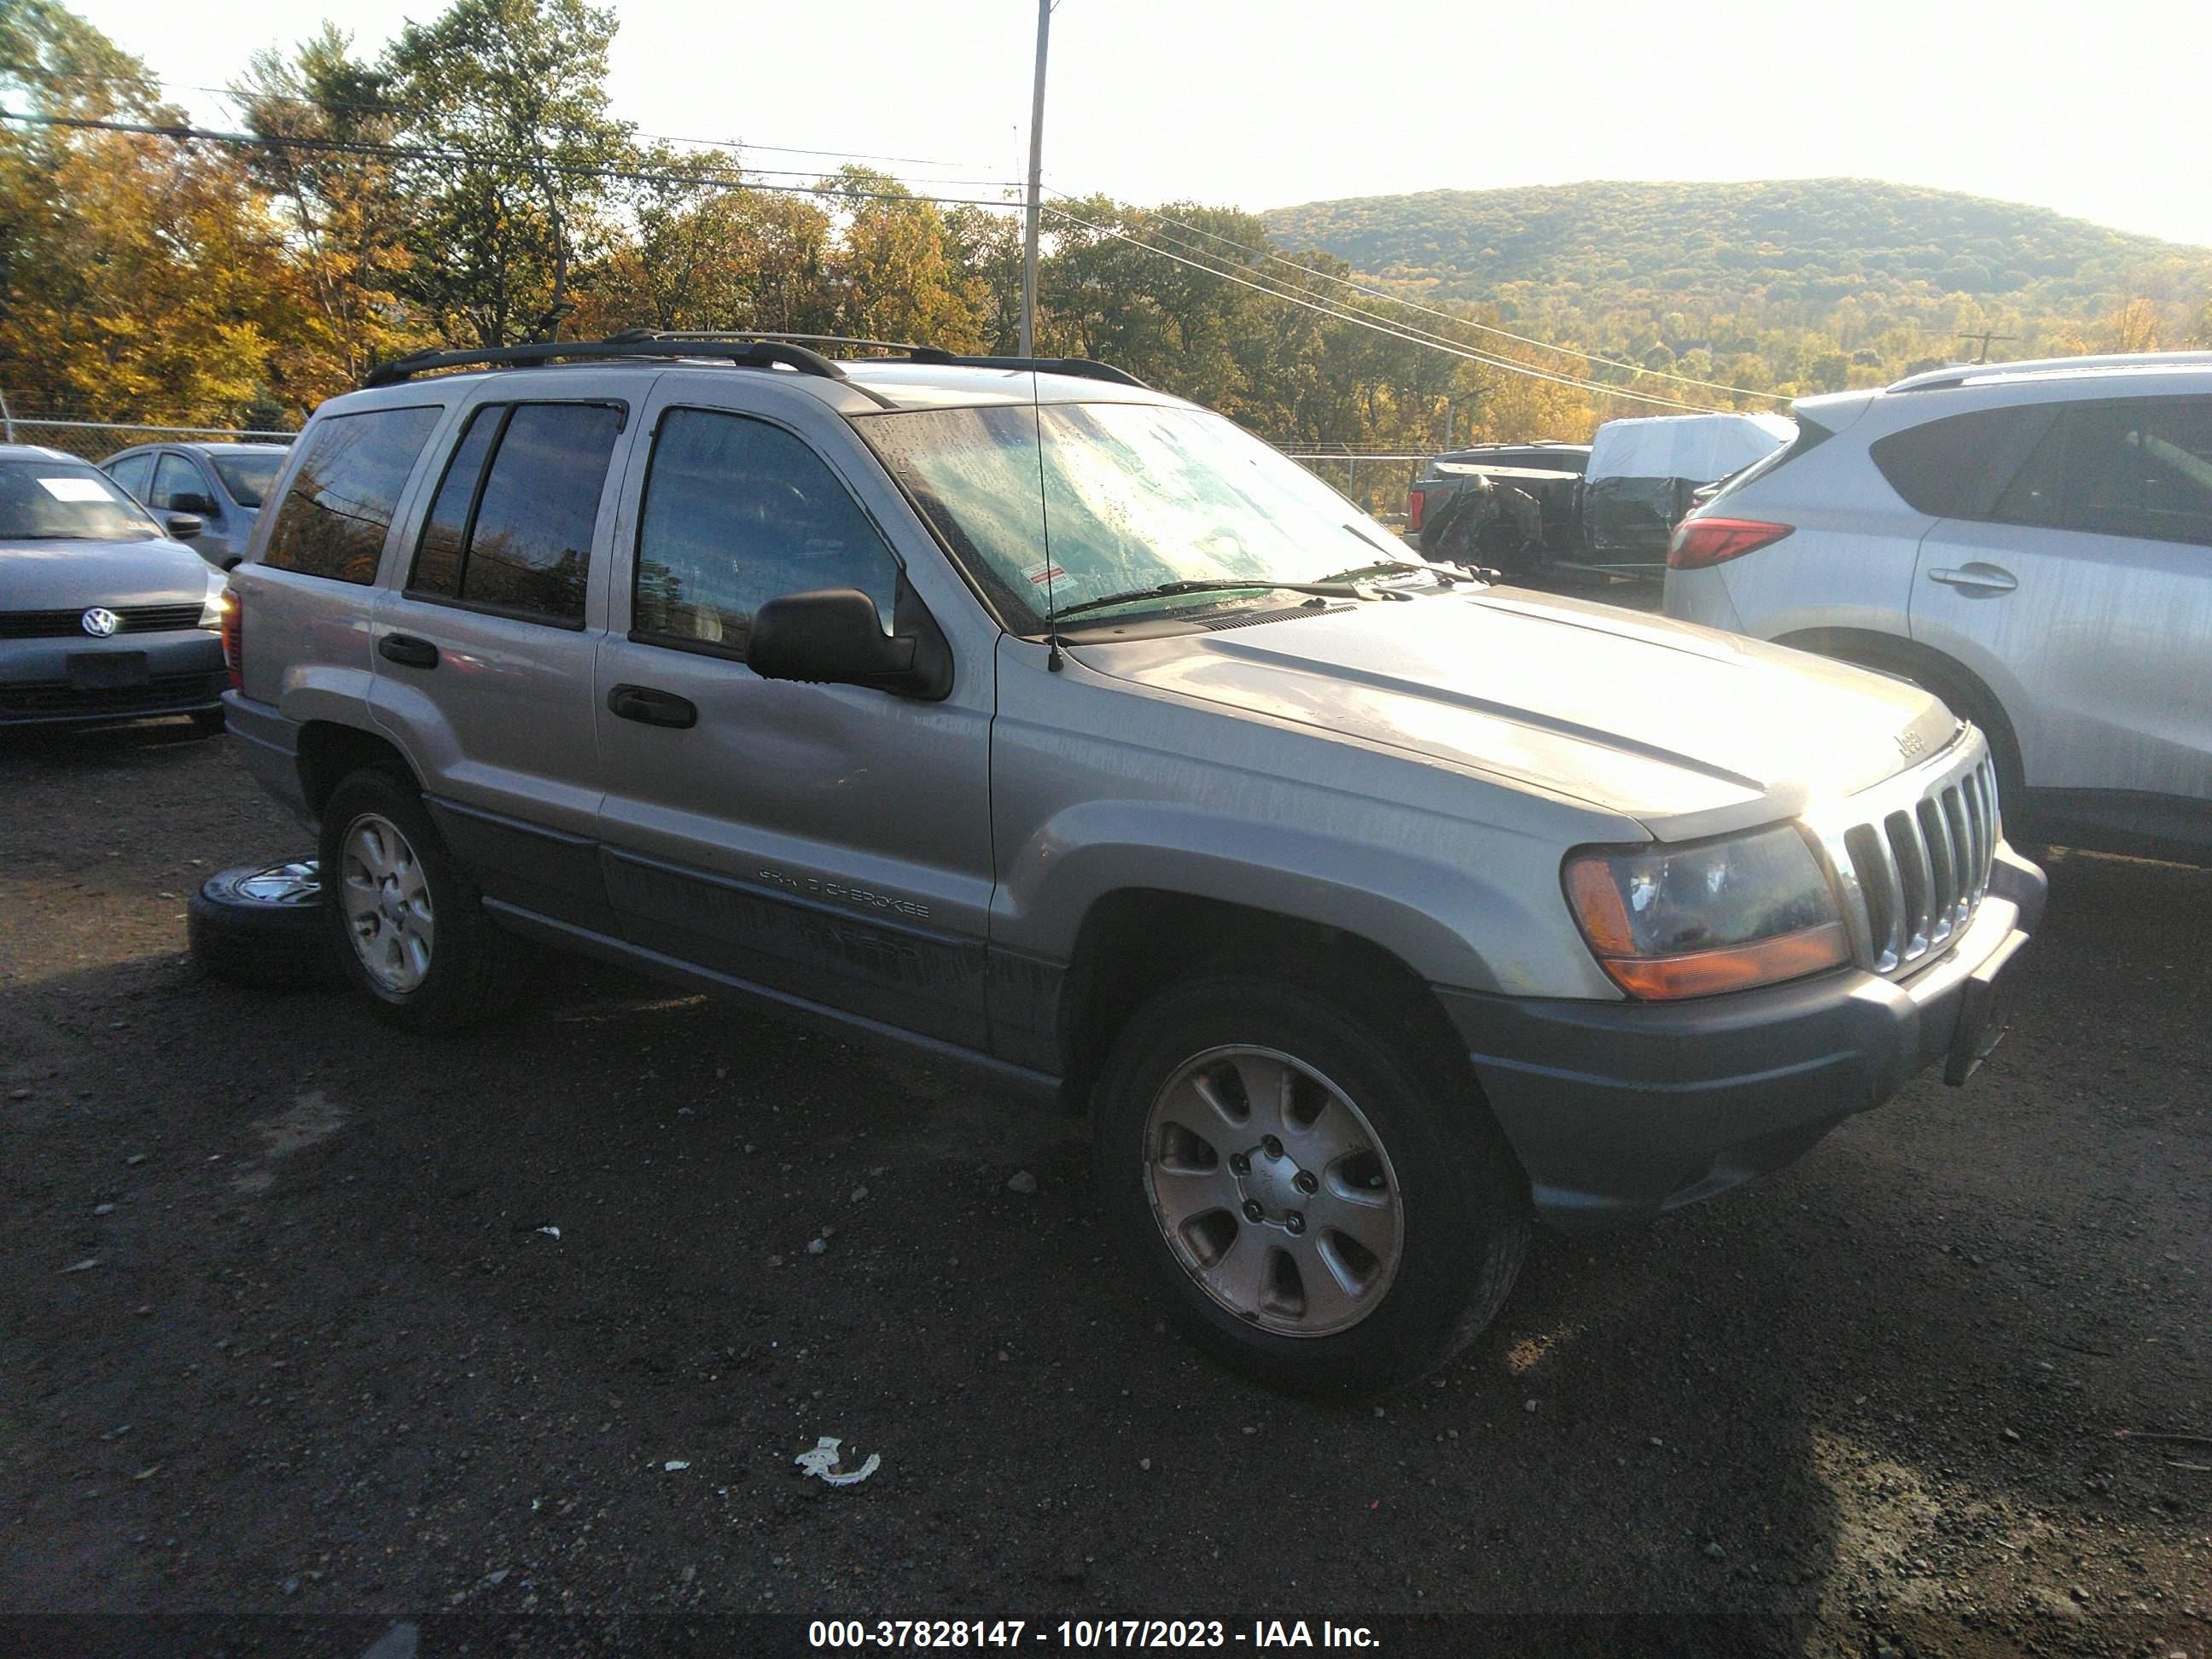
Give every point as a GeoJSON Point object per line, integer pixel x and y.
{"type": "Point", "coordinates": [1377, 483]}
{"type": "Point", "coordinates": [95, 441]}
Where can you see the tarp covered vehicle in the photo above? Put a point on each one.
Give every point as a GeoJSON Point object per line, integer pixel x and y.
{"type": "Point", "coordinates": [1643, 472]}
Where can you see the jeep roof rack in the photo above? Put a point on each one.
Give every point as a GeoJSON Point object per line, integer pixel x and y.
{"type": "Point", "coordinates": [1081, 368]}
{"type": "Point", "coordinates": [747, 350]}
{"type": "Point", "coordinates": [719, 335]}
{"type": "Point", "coordinates": [754, 352]}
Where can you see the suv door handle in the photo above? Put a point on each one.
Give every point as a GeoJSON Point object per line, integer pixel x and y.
{"type": "Point", "coordinates": [407, 651]}
{"type": "Point", "coordinates": [1975, 579]}
{"type": "Point", "coordinates": [648, 707]}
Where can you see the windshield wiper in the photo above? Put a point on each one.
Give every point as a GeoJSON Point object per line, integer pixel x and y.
{"type": "Point", "coordinates": [1421, 567]}
{"type": "Point", "coordinates": [1332, 589]}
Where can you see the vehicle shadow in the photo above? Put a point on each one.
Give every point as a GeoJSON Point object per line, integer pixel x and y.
{"type": "Point", "coordinates": [403, 1310]}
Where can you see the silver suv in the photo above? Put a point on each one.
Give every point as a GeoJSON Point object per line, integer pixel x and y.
{"type": "Point", "coordinates": [2033, 542]}
{"type": "Point", "coordinates": [1031, 720]}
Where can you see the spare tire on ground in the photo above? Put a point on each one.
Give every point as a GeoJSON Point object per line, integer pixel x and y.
{"type": "Point", "coordinates": [261, 925]}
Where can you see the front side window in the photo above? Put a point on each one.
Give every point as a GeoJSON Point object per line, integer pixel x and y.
{"type": "Point", "coordinates": [738, 512]}
{"type": "Point", "coordinates": [132, 472]}
{"type": "Point", "coordinates": [2141, 468]}
{"type": "Point", "coordinates": [511, 527]}
{"type": "Point", "coordinates": [1105, 499]}
{"type": "Point", "coordinates": [57, 500]}
{"type": "Point", "coordinates": [178, 487]}
{"type": "Point", "coordinates": [334, 518]}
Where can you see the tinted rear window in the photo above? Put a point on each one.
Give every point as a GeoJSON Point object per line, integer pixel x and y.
{"type": "Point", "coordinates": [334, 517]}
{"type": "Point", "coordinates": [1955, 467]}
{"type": "Point", "coordinates": [511, 527]}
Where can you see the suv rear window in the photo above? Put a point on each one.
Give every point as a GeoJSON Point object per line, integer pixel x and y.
{"type": "Point", "coordinates": [335, 516]}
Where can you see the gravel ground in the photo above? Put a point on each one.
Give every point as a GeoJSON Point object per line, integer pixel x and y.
{"type": "Point", "coordinates": [285, 1329]}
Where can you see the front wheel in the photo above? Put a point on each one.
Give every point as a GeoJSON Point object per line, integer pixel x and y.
{"type": "Point", "coordinates": [1322, 1198]}
{"type": "Point", "coordinates": [410, 928]}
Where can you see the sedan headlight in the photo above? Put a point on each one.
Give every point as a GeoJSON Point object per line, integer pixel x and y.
{"type": "Point", "coordinates": [218, 601]}
{"type": "Point", "coordinates": [1703, 917]}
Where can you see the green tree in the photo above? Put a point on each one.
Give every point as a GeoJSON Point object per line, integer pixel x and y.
{"type": "Point", "coordinates": [506, 103]}
{"type": "Point", "coordinates": [327, 117]}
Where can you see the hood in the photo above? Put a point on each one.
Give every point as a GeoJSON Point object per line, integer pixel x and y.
{"type": "Point", "coordinates": [43, 576]}
{"type": "Point", "coordinates": [1687, 731]}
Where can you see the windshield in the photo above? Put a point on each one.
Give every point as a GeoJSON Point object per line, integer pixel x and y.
{"type": "Point", "coordinates": [1133, 497]}
{"type": "Point", "coordinates": [248, 478]}
{"type": "Point", "coordinates": [66, 500]}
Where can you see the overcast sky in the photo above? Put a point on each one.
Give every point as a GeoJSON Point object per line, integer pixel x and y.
{"type": "Point", "coordinates": [2100, 112]}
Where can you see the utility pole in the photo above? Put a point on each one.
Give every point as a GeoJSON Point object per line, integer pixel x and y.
{"type": "Point", "coordinates": [1036, 184]}
{"type": "Point", "coordinates": [1985, 337]}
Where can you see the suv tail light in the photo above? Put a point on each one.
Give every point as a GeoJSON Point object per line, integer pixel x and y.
{"type": "Point", "coordinates": [233, 641]}
{"type": "Point", "coordinates": [1701, 542]}
{"type": "Point", "coordinates": [1416, 507]}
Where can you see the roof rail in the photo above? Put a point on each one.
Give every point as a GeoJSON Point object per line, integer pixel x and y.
{"type": "Point", "coordinates": [1957, 374]}
{"type": "Point", "coordinates": [667, 334]}
{"type": "Point", "coordinates": [750, 354]}
{"type": "Point", "coordinates": [1083, 368]}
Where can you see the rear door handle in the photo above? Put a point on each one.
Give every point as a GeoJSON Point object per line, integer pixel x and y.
{"type": "Point", "coordinates": [1975, 579]}
{"type": "Point", "coordinates": [407, 651]}
{"type": "Point", "coordinates": [648, 707]}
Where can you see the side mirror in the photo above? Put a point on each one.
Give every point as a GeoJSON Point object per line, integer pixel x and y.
{"type": "Point", "coordinates": [186, 526]}
{"type": "Point", "coordinates": [191, 501]}
{"type": "Point", "coordinates": [833, 636]}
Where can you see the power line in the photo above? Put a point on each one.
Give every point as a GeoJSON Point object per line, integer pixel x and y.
{"type": "Point", "coordinates": [1463, 322]}
{"type": "Point", "coordinates": [1366, 320]}
{"type": "Point", "coordinates": [236, 96]}
{"type": "Point", "coordinates": [413, 153]}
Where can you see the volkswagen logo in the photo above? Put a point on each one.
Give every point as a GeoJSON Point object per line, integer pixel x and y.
{"type": "Point", "coordinates": [100, 622]}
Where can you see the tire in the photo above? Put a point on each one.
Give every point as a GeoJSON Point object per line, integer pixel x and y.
{"type": "Point", "coordinates": [403, 919]}
{"type": "Point", "coordinates": [261, 925]}
{"type": "Point", "coordinates": [1438, 1254]}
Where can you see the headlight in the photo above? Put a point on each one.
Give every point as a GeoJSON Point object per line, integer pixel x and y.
{"type": "Point", "coordinates": [218, 602]}
{"type": "Point", "coordinates": [1703, 917]}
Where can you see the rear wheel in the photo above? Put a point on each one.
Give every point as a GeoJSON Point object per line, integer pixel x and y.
{"type": "Point", "coordinates": [410, 925]}
{"type": "Point", "coordinates": [1323, 1206]}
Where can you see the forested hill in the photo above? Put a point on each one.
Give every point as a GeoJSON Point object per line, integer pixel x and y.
{"type": "Point", "coordinates": [1880, 270]}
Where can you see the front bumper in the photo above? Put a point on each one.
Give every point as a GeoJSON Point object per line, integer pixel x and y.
{"type": "Point", "coordinates": [60, 682]}
{"type": "Point", "coordinates": [1619, 1110]}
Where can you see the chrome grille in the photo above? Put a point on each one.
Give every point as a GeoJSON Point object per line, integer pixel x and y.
{"type": "Point", "coordinates": [135, 619]}
{"type": "Point", "coordinates": [1914, 855]}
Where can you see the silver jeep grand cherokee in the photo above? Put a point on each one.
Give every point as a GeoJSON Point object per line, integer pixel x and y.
{"type": "Point", "coordinates": [1025, 716]}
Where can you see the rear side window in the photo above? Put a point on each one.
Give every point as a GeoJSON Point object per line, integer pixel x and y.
{"type": "Point", "coordinates": [739, 513]}
{"type": "Point", "coordinates": [1957, 467]}
{"type": "Point", "coordinates": [510, 530]}
{"type": "Point", "coordinates": [340, 505]}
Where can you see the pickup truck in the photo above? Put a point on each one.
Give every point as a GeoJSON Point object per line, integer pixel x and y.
{"type": "Point", "coordinates": [1022, 718]}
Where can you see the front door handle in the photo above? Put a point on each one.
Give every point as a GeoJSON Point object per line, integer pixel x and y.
{"type": "Point", "coordinates": [1975, 579]}
{"type": "Point", "coordinates": [407, 651]}
{"type": "Point", "coordinates": [648, 707]}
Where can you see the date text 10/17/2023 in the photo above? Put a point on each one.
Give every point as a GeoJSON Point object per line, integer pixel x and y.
{"type": "Point", "coordinates": [1077, 1635]}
